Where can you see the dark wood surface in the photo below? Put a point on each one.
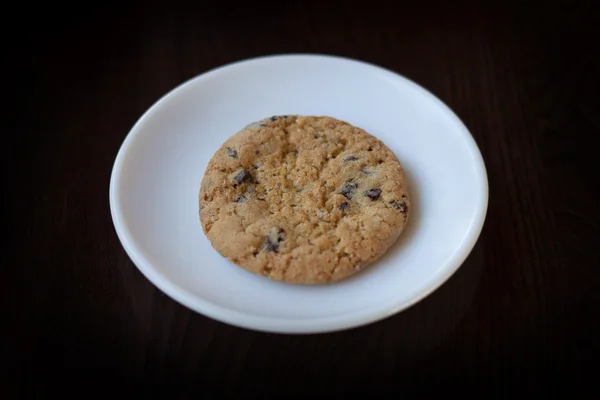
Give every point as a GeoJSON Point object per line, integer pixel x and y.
{"type": "Point", "coordinates": [520, 316]}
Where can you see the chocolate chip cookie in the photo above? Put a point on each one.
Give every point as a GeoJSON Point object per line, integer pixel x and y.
{"type": "Point", "coordinates": [303, 200]}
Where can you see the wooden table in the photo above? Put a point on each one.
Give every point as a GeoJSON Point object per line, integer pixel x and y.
{"type": "Point", "coordinates": [520, 316]}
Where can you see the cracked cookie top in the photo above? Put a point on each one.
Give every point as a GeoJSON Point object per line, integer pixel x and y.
{"type": "Point", "coordinates": [304, 200]}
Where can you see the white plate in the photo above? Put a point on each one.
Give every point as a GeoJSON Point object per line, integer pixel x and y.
{"type": "Point", "coordinates": [157, 173]}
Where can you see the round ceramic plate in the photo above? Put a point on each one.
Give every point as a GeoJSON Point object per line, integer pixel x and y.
{"type": "Point", "coordinates": [157, 173]}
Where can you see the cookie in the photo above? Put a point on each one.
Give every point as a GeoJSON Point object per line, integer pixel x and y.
{"type": "Point", "coordinates": [303, 200]}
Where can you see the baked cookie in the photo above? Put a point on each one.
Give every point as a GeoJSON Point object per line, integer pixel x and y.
{"type": "Point", "coordinates": [304, 200]}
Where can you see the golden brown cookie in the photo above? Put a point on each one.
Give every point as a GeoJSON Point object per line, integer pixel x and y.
{"type": "Point", "coordinates": [304, 200]}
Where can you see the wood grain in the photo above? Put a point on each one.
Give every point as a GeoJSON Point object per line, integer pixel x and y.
{"type": "Point", "coordinates": [520, 316]}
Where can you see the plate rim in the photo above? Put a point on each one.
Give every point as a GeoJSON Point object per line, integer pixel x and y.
{"type": "Point", "coordinates": [278, 324]}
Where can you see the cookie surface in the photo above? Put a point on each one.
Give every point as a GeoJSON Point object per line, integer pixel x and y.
{"type": "Point", "coordinates": [304, 200]}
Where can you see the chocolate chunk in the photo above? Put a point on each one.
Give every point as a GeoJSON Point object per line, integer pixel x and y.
{"type": "Point", "coordinates": [272, 240]}
{"type": "Point", "coordinates": [232, 152]}
{"type": "Point", "coordinates": [274, 118]}
{"type": "Point", "coordinates": [350, 158]}
{"type": "Point", "coordinates": [373, 194]}
{"type": "Point", "coordinates": [364, 171]}
{"type": "Point", "coordinates": [348, 190]}
{"type": "Point", "coordinates": [399, 205]}
{"type": "Point", "coordinates": [344, 205]}
{"type": "Point", "coordinates": [271, 245]}
{"type": "Point", "coordinates": [240, 198]}
{"type": "Point", "coordinates": [280, 235]}
{"type": "Point", "coordinates": [243, 176]}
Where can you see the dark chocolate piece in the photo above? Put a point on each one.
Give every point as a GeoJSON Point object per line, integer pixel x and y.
{"type": "Point", "coordinates": [373, 194]}
{"type": "Point", "coordinates": [399, 205]}
{"type": "Point", "coordinates": [348, 190]}
{"type": "Point", "coordinates": [272, 241]}
{"type": "Point", "coordinates": [242, 176]}
{"type": "Point", "coordinates": [232, 152]}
